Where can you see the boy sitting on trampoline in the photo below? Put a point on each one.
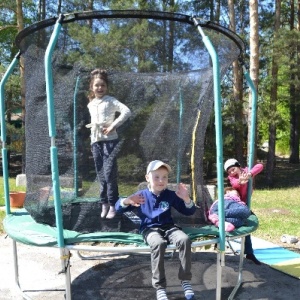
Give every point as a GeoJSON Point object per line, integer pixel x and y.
{"type": "Point", "coordinates": [157, 226]}
{"type": "Point", "coordinates": [236, 211]}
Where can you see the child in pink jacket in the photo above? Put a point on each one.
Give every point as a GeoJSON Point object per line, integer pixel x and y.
{"type": "Point", "coordinates": [239, 177]}
{"type": "Point", "coordinates": [236, 211]}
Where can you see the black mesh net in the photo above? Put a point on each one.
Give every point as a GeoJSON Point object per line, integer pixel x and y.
{"type": "Point", "coordinates": [159, 67]}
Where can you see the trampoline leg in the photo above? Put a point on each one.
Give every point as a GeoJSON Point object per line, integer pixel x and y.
{"type": "Point", "coordinates": [16, 268]}
{"type": "Point", "coordinates": [220, 265]}
{"type": "Point", "coordinates": [16, 264]}
{"type": "Point", "coordinates": [65, 261]}
{"type": "Point", "coordinates": [240, 275]}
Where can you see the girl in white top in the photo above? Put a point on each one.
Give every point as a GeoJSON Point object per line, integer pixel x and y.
{"type": "Point", "coordinates": [104, 138]}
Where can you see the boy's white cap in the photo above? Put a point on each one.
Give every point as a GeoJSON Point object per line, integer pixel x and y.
{"type": "Point", "coordinates": [231, 162]}
{"type": "Point", "coordinates": [156, 164]}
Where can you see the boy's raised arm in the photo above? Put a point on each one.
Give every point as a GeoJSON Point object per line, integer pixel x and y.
{"type": "Point", "coordinates": [134, 200]}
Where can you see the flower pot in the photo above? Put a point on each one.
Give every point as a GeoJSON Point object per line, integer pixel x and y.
{"type": "Point", "coordinates": [17, 198]}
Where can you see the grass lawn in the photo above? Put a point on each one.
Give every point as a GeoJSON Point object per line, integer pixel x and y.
{"type": "Point", "coordinates": [278, 209]}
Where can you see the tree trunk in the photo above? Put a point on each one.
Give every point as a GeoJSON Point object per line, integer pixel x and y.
{"type": "Point", "coordinates": [216, 17]}
{"type": "Point", "coordinates": [294, 106]}
{"type": "Point", "coordinates": [90, 6]}
{"type": "Point", "coordinates": [254, 62]}
{"type": "Point", "coordinates": [271, 158]}
{"type": "Point", "coordinates": [42, 10]}
{"type": "Point", "coordinates": [237, 95]}
{"type": "Point", "coordinates": [59, 7]}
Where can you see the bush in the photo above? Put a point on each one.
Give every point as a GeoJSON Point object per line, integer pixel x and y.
{"type": "Point", "coordinates": [15, 138]}
{"type": "Point", "coordinates": [131, 168]}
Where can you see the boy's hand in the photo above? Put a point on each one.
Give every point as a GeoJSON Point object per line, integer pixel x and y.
{"type": "Point", "coordinates": [135, 200]}
{"type": "Point", "coordinates": [183, 193]}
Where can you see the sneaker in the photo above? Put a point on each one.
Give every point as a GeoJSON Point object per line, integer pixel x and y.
{"type": "Point", "coordinates": [214, 218]}
{"type": "Point", "coordinates": [253, 258]}
{"type": "Point", "coordinates": [161, 294]}
{"type": "Point", "coordinates": [105, 209]}
{"type": "Point", "coordinates": [229, 226]}
{"type": "Point", "coordinates": [111, 213]}
{"type": "Point", "coordinates": [188, 290]}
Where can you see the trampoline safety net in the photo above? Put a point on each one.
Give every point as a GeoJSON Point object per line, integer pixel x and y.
{"type": "Point", "coordinates": [158, 67]}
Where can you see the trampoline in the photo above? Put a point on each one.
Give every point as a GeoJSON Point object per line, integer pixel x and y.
{"type": "Point", "coordinates": [167, 68]}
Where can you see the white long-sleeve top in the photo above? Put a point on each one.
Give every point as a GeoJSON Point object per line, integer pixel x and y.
{"type": "Point", "coordinates": [103, 114]}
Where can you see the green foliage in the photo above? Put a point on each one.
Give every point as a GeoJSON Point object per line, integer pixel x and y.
{"type": "Point", "coordinates": [16, 137]}
{"type": "Point", "coordinates": [282, 143]}
{"type": "Point", "coordinates": [131, 168]}
{"type": "Point", "coordinates": [102, 48]}
{"type": "Point", "coordinates": [283, 50]}
{"type": "Point", "coordinates": [127, 189]}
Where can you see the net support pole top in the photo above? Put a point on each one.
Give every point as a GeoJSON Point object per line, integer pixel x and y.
{"type": "Point", "coordinates": [218, 127]}
{"type": "Point", "coordinates": [52, 129]}
{"type": "Point", "coordinates": [48, 76]}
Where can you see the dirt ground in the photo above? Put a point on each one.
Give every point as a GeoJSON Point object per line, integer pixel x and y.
{"type": "Point", "coordinates": [129, 277]}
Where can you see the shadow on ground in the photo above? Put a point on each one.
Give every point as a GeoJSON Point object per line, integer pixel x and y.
{"type": "Point", "coordinates": [129, 277]}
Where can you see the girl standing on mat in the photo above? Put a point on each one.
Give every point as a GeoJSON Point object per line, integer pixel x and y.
{"type": "Point", "coordinates": [239, 178]}
{"type": "Point", "coordinates": [104, 138]}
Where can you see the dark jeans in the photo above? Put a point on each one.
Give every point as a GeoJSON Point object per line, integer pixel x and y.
{"type": "Point", "coordinates": [248, 245]}
{"type": "Point", "coordinates": [105, 158]}
{"type": "Point", "coordinates": [234, 212]}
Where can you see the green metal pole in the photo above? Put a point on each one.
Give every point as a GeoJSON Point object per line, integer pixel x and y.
{"type": "Point", "coordinates": [252, 131]}
{"type": "Point", "coordinates": [218, 128]}
{"type": "Point", "coordinates": [52, 131]}
{"type": "Point", "coordinates": [3, 132]}
{"type": "Point", "coordinates": [75, 138]}
{"type": "Point", "coordinates": [179, 136]}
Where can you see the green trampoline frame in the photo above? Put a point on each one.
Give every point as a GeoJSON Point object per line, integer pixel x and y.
{"type": "Point", "coordinates": [21, 228]}
{"type": "Point", "coordinates": [19, 224]}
